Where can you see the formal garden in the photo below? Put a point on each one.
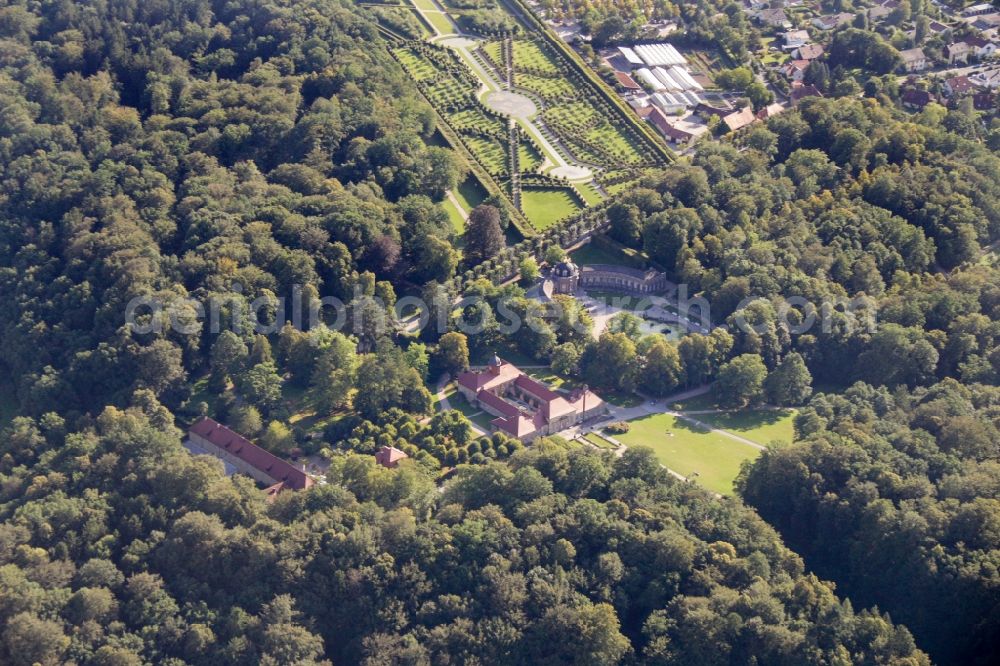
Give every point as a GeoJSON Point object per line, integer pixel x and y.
{"type": "Point", "coordinates": [568, 130]}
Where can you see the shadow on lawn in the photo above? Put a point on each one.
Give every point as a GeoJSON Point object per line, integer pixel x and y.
{"type": "Point", "coordinates": [746, 419]}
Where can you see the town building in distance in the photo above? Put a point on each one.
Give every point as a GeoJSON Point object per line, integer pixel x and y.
{"type": "Point", "coordinates": [524, 407]}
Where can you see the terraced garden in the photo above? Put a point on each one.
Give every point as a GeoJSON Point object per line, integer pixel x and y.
{"type": "Point", "coordinates": [547, 205]}
{"type": "Point", "coordinates": [490, 153]}
{"type": "Point", "coordinates": [529, 57]}
{"type": "Point", "coordinates": [547, 88]}
{"type": "Point", "coordinates": [565, 126]}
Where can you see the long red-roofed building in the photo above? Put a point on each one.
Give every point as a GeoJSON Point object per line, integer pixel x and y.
{"type": "Point", "coordinates": [524, 407]}
{"type": "Point", "coordinates": [208, 436]}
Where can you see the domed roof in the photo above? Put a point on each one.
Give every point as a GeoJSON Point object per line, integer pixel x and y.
{"type": "Point", "coordinates": [565, 269]}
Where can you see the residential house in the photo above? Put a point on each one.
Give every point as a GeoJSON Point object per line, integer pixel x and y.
{"type": "Point", "coordinates": [802, 91]}
{"type": "Point", "coordinates": [915, 99]}
{"type": "Point", "coordinates": [738, 120]}
{"type": "Point", "coordinates": [984, 101]}
{"type": "Point", "coordinates": [979, 10]}
{"type": "Point", "coordinates": [983, 48]}
{"type": "Point", "coordinates": [706, 110]}
{"type": "Point", "coordinates": [775, 18]}
{"type": "Point", "coordinates": [832, 21]}
{"type": "Point", "coordinates": [794, 70]}
{"type": "Point", "coordinates": [987, 24]}
{"type": "Point", "coordinates": [627, 82]}
{"type": "Point", "coordinates": [957, 52]}
{"type": "Point", "coordinates": [958, 85]}
{"type": "Point", "coordinates": [879, 13]}
{"type": "Point", "coordinates": [770, 111]}
{"type": "Point", "coordinates": [986, 79]}
{"type": "Point", "coordinates": [914, 60]}
{"type": "Point", "coordinates": [936, 27]}
{"type": "Point", "coordinates": [679, 131]}
{"type": "Point", "coordinates": [389, 456]}
{"type": "Point", "coordinates": [808, 52]}
{"type": "Point", "coordinates": [796, 38]}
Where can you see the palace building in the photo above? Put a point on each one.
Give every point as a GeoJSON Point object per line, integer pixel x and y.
{"type": "Point", "coordinates": [524, 407]}
{"type": "Point", "coordinates": [567, 278]}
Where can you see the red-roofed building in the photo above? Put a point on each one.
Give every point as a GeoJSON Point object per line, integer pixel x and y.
{"type": "Point", "coordinates": [915, 99]}
{"type": "Point", "coordinates": [243, 456]}
{"type": "Point", "coordinates": [626, 81]}
{"type": "Point", "coordinates": [958, 85]}
{"type": "Point", "coordinates": [524, 407]}
{"type": "Point", "coordinates": [389, 456]}
{"type": "Point", "coordinates": [800, 92]}
{"type": "Point", "coordinates": [737, 120]}
{"type": "Point", "coordinates": [795, 70]}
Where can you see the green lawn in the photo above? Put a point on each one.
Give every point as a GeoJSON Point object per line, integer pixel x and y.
{"type": "Point", "coordinates": [759, 425]}
{"type": "Point", "coordinates": [455, 215]}
{"type": "Point", "coordinates": [529, 157]}
{"type": "Point", "coordinates": [590, 194]}
{"type": "Point", "coordinates": [440, 21]}
{"type": "Point", "coordinates": [471, 193]}
{"type": "Point", "coordinates": [450, 392]}
{"type": "Point", "coordinates": [200, 392]}
{"type": "Point", "coordinates": [472, 412]}
{"type": "Point", "coordinates": [713, 460]}
{"type": "Point", "coordinates": [546, 206]}
{"type": "Point", "coordinates": [592, 253]}
{"type": "Point", "coordinates": [599, 441]}
{"type": "Point", "coordinates": [703, 401]}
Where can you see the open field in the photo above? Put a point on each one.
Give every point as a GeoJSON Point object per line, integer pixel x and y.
{"type": "Point", "coordinates": [437, 19]}
{"type": "Point", "coordinates": [758, 425]}
{"type": "Point", "coordinates": [591, 253]}
{"type": "Point", "coordinates": [546, 206]}
{"type": "Point", "coordinates": [711, 458]}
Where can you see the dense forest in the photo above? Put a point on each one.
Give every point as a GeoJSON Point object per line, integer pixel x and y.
{"type": "Point", "coordinates": [896, 495]}
{"type": "Point", "coordinates": [236, 149]}
{"type": "Point", "coordinates": [176, 149]}
{"type": "Point", "coordinates": [117, 547]}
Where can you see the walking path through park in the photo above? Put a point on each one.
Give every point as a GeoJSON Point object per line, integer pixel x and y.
{"type": "Point", "coordinates": [458, 205]}
{"type": "Point", "coordinates": [444, 404]}
{"type": "Point", "coordinates": [651, 407]}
